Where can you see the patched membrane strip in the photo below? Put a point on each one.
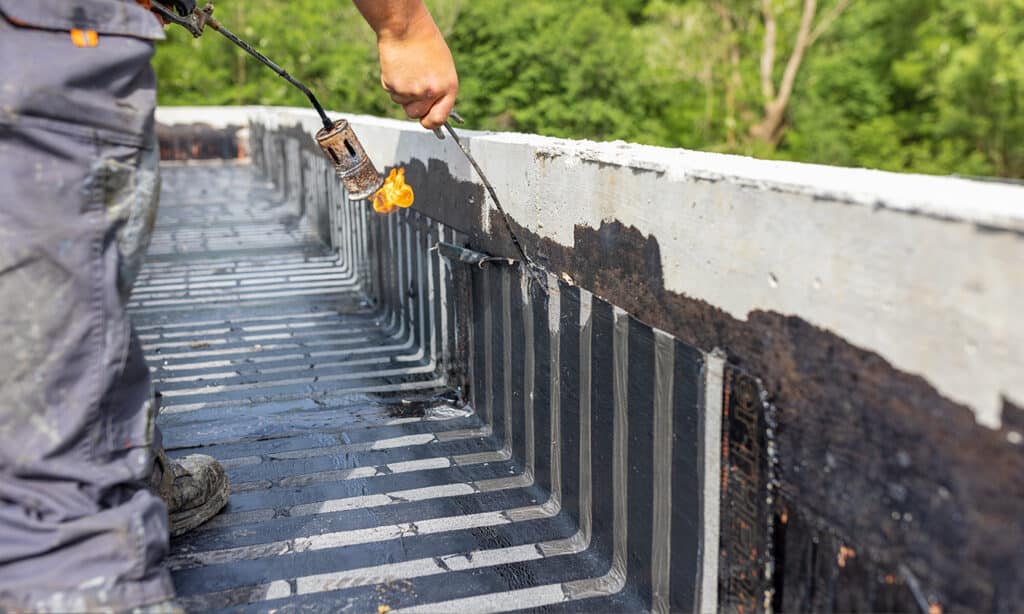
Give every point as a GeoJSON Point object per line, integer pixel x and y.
{"type": "Point", "coordinates": [714, 378]}
{"type": "Point", "coordinates": [327, 395]}
{"type": "Point", "coordinates": [381, 574]}
{"type": "Point", "coordinates": [438, 565]}
{"type": "Point", "coordinates": [529, 373]}
{"type": "Point", "coordinates": [615, 580]}
{"type": "Point", "coordinates": [586, 471]}
{"type": "Point", "coordinates": [424, 505]}
{"type": "Point", "coordinates": [506, 330]}
{"type": "Point", "coordinates": [353, 473]}
{"type": "Point", "coordinates": [664, 366]}
{"type": "Point", "coordinates": [555, 327]}
{"type": "Point", "coordinates": [339, 539]}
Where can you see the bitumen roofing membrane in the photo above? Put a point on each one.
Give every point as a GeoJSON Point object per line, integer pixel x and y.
{"type": "Point", "coordinates": [355, 486]}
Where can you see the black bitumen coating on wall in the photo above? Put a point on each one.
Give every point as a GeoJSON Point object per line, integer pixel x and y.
{"type": "Point", "coordinates": [686, 461]}
{"type": "Point", "coordinates": [268, 408]}
{"type": "Point", "coordinates": [860, 442]}
{"type": "Point", "coordinates": [881, 484]}
{"type": "Point", "coordinates": [746, 479]}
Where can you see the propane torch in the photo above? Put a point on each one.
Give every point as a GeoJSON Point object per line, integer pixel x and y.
{"type": "Point", "coordinates": [336, 138]}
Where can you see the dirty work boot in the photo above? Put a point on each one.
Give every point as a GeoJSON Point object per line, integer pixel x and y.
{"type": "Point", "coordinates": [194, 488]}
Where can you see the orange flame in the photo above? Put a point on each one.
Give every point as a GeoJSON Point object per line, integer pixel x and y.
{"type": "Point", "coordinates": [394, 193]}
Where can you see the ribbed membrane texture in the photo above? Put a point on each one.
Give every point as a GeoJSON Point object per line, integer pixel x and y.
{"type": "Point", "coordinates": [322, 379]}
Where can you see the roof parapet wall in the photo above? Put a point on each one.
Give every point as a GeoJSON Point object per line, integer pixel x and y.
{"type": "Point", "coordinates": [925, 271]}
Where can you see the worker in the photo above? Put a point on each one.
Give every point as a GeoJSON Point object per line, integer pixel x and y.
{"type": "Point", "coordinates": [87, 497]}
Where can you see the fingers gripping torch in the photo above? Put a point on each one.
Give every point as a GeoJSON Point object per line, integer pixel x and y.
{"type": "Point", "coordinates": [336, 138]}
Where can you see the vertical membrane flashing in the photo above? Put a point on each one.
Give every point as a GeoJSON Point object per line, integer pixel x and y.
{"type": "Point", "coordinates": [586, 344]}
{"type": "Point", "coordinates": [506, 326]}
{"type": "Point", "coordinates": [444, 270]}
{"type": "Point", "coordinates": [620, 446]}
{"type": "Point", "coordinates": [496, 337]}
{"type": "Point", "coordinates": [529, 373]}
{"type": "Point", "coordinates": [661, 533]}
{"type": "Point", "coordinates": [640, 452]}
{"type": "Point", "coordinates": [615, 580]}
{"type": "Point", "coordinates": [477, 393]}
{"type": "Point", "coordinates": [687, 467]}
{"type": "Point", "coordinates": [554, 326]}
{"type": "Point", "coordinates": [488, 400]}
{"type": "Point", "coordinates": [714, 372]}
{"type": "Point", "coordinates": [542, 387]}
{"type": "Point", "coordinates": [634, 417]}
{"type": "Point", "coordinates": [517, 348]}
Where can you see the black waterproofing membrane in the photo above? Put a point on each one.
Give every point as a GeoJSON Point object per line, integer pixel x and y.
{"type": "Point", "coordinates": [405, 432]}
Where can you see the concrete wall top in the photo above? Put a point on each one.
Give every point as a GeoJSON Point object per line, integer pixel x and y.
{"type": "Point", "coordinates": [998, 204]}
{"type": "Point", "coordinates": [927, 272]}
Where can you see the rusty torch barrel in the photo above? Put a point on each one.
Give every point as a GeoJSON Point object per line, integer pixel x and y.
{"type": "Point", "coordinates": [354, 167]}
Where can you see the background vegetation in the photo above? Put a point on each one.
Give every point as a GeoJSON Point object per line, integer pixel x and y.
{"type": "Point", "coordinates": [933, 86]}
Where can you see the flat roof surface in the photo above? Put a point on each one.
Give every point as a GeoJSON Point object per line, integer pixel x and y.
{"type": "Point", "coordinates": [344, 494]}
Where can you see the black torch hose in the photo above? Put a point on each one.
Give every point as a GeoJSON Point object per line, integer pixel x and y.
{"type": "Point", "coordinates": [528, 264]}
{"type": "Point", "coordinates": [228, 34]}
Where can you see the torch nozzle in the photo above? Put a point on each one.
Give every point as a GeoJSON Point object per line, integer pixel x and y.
{"type": "Point", "coordinates": [353, 166]}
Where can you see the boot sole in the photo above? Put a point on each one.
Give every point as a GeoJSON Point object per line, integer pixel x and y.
{"type": "Point", "coordinates": [186, 520]}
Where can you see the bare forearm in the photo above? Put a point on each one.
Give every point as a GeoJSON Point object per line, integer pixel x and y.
{"type": "Point", "coordinates": [395, 18]}
{"type": "Point", "coordinates": [416, 67]}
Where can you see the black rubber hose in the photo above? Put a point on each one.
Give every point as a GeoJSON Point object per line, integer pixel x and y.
{"type": "Point", "coordinates": [216, 25]}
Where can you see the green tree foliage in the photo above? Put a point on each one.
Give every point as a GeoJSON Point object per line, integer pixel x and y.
{"type": "Point", "coordinates": [934, 86]}
{"type": "Point", "coordinates": [571, 68]}
{"type": "Point", "coordinates": [324, 44]}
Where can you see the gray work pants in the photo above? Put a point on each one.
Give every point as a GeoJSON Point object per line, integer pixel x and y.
{"type": "Point", "coordinates": [78, 181]}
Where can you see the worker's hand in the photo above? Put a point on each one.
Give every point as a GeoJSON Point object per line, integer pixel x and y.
{"type": "Point", "coordinates": [417, 69]}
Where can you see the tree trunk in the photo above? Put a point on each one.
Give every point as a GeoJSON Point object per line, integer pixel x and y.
{"type": "Point", "coordinates": [770, 129]}
{"type": "Point", "coordinates": [772, 126]}
{"type": "Point", "coordinates": [735, 79]}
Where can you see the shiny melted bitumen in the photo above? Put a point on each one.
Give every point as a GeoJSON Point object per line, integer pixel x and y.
{"type": "Point", "coordinates": [608, 466]}
{"type": "Point", "coordinates": [357, 480]}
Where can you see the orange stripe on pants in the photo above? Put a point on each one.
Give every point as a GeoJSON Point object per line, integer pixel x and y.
{"type": "Point", "coordinates": [85, 38]}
